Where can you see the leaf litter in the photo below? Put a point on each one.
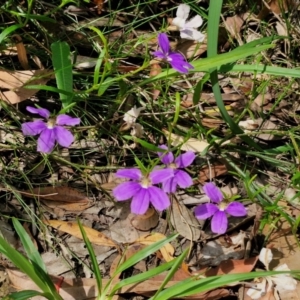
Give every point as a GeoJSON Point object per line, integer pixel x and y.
{"type": "Point", "coordinates": [110, 225]}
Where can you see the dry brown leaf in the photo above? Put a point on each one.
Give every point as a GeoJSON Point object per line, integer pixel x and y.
{"type": "Point", "coordinates": [233, 266]}
{"type": "Point", "coordinates": [234, 25]}
{"type": "Point", "coordinates": [144, 222]}
{"type": "Point", "coordinates": [57, 193]}
{"type": "Point", "coordinates": [86, 288]}
{"type": "Point", "coordinates": [167, 250]}
{"type": "Point", "coordinates": [184, 144]}
{"type": "Point", "coordinates": [22, 53]}
{"type": "Point", "coordinates": [72, 228]}
{"type": "Point", "coordinates": [75, 206]}
{"type": "Point", "coordinates": [155, 70]}
{"type": "Point", "coordinates": [184, 221]}
{"type": "Point", "coordinates": [190, 49]}
{"type": "Point", "coordinates": [207, 173]}
{"type": "Point", "coordinates": [16, 81]}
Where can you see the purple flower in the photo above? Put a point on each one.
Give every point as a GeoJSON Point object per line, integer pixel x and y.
{"type": "Point", "coordinates": [179, 177]}
{"type": "Point", "coordinates": [176, 60]}
{"type": "Point", "coordinates": [50, 131]}
{"type": "Point", "coordinates": [218, 211]}
{"type": "Point", "coordinates": [141, 189]}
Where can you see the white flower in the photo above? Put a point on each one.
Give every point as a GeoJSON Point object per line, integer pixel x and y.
{"type": "Point", "coordinates": [188, 28]}
{"type": "Point", "coordinates": [131, 116]}
{"type": "Point", "coordinates": [283, 282]}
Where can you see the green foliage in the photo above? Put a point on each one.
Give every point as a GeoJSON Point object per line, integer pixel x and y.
{"type": "Point", "coordinates": [61, 59]}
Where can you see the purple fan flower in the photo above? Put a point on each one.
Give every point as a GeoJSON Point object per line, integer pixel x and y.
{"type": "Point", "coordinates": [50, 131]}
{"type": "Point", "coordinates": [180, 178]}
{"type": "Point", "coordinates": [219, 222]}
{"type": "Point", "coordinates": [176, 60]}
{"type": "Point", "coordinates": [141, 189]}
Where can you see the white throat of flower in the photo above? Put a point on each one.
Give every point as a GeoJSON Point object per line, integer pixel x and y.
{"type": "Point", "coordinates": [146, 182]}
{"type": "Point", "coordinates": [51, 123]}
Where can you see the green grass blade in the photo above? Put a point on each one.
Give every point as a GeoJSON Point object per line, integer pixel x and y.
{"type": "Point", "coordinates": [143, 254]}
{"type": "Point", "coordinates": [176, 265]}
{"type": "Point", "coordinates": [23, 295]}
{"type": "Point", "coordinates": [29, 247]}
{"type": "Point", "coordinates": [193, 286]}
{"type": "Point", "coordinates": [8, 31]}
{"type": "Point", "coordinates": [93, 258]}
{"type": "Point", "coordinates": [63, 70]}
{"type": "Point", "coordinates": [143, 276]}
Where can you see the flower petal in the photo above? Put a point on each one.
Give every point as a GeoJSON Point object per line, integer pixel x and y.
{"type": "Point", "coordinates": [205, 211]}
{"type": "Point", "coordinates": [179, 22]}
{"type": "Point", "coordinates": [192, 34]}
{"type": "Point", "coordinates": [170, 185]}
{"type": "Point", "coordinates": [159, 54]}
{"type": "Point", "coordinates": [159, 176]}
{"type": "Point", "coordinates": [183, 179]}
{"type": "Point", "coordinates": [33, 128]}
{"type": "Point", "coordinates": [67, 120]}
{"type": "Point", "coordinates": [140, 202]}
{"type": "Point", "coordinates": [214, 194]}
{"type": "Point", "coordinates": [165, 157]}
{"type": "Point", "coordinates": [178, 63]}
{"type": "Point", "coordinates": [183, 11]}
{"type": "Point", "coordinates": [219, 222]}
{"type": "Point", "coordinates": [194, 22]}
{"type": "Point", "coordinates": [63, 136]}
{"type": "Point", "coordinates": [41, 111]}
{"type": "Point", "coordinates": [184, 160]}
{"type": "Point", "coordinates": [46, 141]}
{"type": "Point", "coordinates": [126, 190]}
{"type": "Point", "coordinates": [164, 43]}
{"type": "Point", "coordinates": [134, 173]}
{"type": "Point", "coordinates": [158, 198]}
{"type": "Point", "coordinates": [236, 209]}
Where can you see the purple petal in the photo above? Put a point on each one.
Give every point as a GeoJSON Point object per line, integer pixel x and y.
{"type": "Point", "coordinates": [214, 194]}
{"type": "Point", "coordinates": [236, 209]}
{"type": "Point", "coordinates": [158, 198]}
{"type": "Point", "coordinates": [33, 128]}
{"type": "Point", "coordinates": [165, 157]}
{"type": "Point", "coordinates": [177, 61]}
{"type": "Point", "coordinates": [205, 211]}
{"type": "Point", "coordinates": [41, 111]}
{"type": "Point", "coordinates": [46, 141]}
{"type": "Point", "coordinates": [159, 176]}
{"type": "Point", "coordinates": [184, 160]}
{"type": "Point", "coordinates": [134, 173]}
{"type": "Point", "coordinates": [67, 120]}
{"type": "Point", "coordinates": [183, 179]}
{"type": "Point", "coordinates": [170, 185]}
{"type": "Point", "coordinates": [219, 222]}
{"type": "Point", "coordinates": [126, 190]}
{"type": "Point", "coordinates": [63, 136]}
{"type": "Point", "coordinates": [159, 54]}
{"type": "Point", "coordinates": [164, 43]}
{"type": "Point", "coordinates": [140, 202]}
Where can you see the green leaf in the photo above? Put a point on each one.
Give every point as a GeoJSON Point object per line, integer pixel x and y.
{"type": "Point", "coordinates": [93, 257]}
{"type": "Point", "coordinates": [23, 295]}
{"type": "Point", "coordinates": [61, 58]}
{"type": "Point", "coordinates": [29, 247]}
{"type": "Point", "coordinates": [8, 31]}
{"type": "Point", "coordinates": [143, 254]}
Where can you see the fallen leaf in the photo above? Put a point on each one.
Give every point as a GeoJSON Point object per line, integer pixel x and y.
{"type": "Point", "coordinates": [233, 266]}
{"type": "Point", "coordinates": [212, 171]}
{"type": "Point", "coordinates": [16, 82]}
{"type": "Point", "coordinates": [22, 53]}
{"type": "Point", "coordinates": [234, 25]}
{"type": "Point", "coordinates": [184, 144]}
{"type": "Point", "coordinates": [184, 221]}
{"type": "Point", "coordinates": [72, 206]}
{"type": "Point", "coordinates": [167, 250]}
{"type": "Point", "coordinates": [57, 193]}
{"type": "Point", "coordinates": [144, 222]}
{"type": "Point", "coordinates": [72, 228]}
